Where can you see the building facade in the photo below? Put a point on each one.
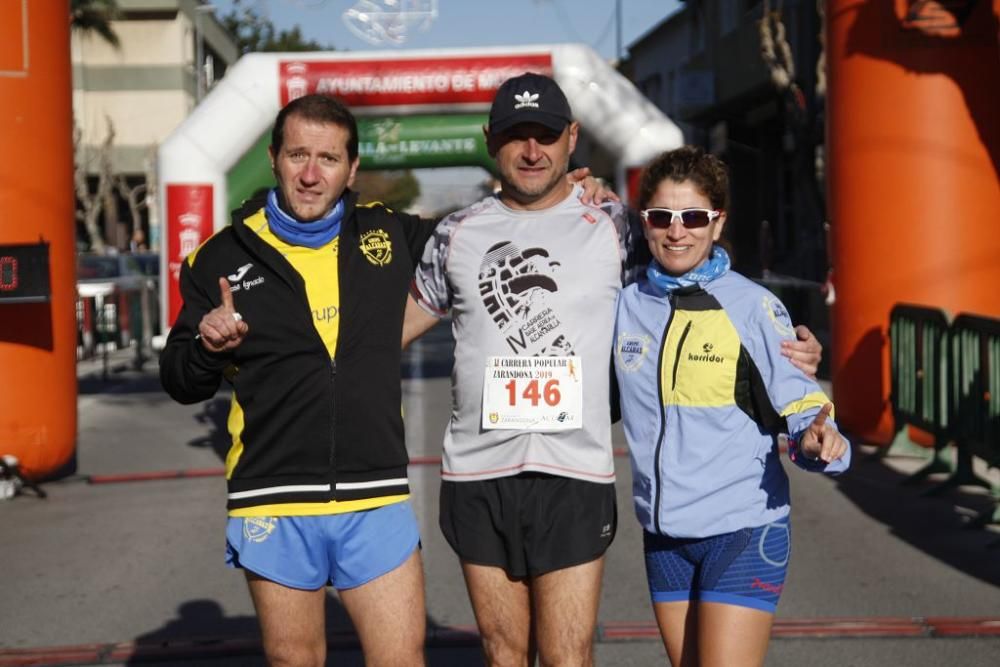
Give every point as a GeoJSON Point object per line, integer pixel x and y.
{"type": "Point", "coordinates": [141, 91]}
{"type": "Point", "coordinates": [703, 66]}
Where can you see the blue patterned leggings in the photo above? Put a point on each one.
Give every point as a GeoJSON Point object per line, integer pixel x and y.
{"type": "Point", "coordinates": [745, 568]}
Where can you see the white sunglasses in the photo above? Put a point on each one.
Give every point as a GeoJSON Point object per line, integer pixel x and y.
{"type": "Point", "coordinates": [691, 218]}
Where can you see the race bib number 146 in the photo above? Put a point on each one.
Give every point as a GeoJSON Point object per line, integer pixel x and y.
{"type": "Point", "coordinates": [533, 393]}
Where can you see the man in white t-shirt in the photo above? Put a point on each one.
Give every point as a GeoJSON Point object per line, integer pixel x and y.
{"type": "Point", "coordinates": [530, 277]}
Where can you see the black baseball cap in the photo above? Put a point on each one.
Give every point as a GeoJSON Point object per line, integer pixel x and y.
{"type": "Point", "coordinates": [529, 98]}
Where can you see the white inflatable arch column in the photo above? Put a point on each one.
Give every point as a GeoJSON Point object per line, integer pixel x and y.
{"type": "Point", "coordinates": [195, 158]}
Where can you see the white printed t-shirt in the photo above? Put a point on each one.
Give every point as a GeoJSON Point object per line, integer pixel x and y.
{"type": "Point", "coordinates": [523, 285]}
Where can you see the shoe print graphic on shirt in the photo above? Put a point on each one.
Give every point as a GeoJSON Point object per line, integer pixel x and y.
{"type": "Point", "coordinates": [516, 287]}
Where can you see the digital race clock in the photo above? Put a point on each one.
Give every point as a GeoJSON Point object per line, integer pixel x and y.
{"type": "Point", "coordinates": [24, 273]}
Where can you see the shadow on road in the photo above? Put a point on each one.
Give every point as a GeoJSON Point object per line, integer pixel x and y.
{"type": "Point", "coordinates": [201, 633]}
{"type": "Point", "coordinates": [119, 381]}
{"type": "Point", "coordinates": [935, 524]}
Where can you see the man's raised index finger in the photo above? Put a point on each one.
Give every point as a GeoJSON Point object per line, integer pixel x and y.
{"type": "Point", "coordinates": [225, 294]}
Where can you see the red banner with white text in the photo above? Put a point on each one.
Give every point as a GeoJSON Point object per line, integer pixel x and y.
{"type": "Point", "coordinates": [189, 224]}
{"type": "Point", "coordinates": [425, 81]}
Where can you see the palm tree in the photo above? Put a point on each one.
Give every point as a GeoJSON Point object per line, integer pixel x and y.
{"type": "Point", "coordinates": [94, 16]}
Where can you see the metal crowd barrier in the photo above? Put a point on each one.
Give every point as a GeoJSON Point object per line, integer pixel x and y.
{"type": "Point", "coordinates": [945, 380]}
{"type": "Point", "coordinates": [918, 356]}
{"type": "Point", "coordinates": [975, 360]}
{"type": "Point", "coordinates": [112, 318]}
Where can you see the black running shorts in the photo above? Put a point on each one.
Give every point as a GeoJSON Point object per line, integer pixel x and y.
{"type": "Point", "coordinates": [528, 524]}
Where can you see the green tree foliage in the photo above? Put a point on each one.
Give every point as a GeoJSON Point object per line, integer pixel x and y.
{"type": "Point", "coordinates": [396, 189]}
{"type": "Point", "coordinates": [94, 17]}
{"type": "Point", "coordinates": [255, 33]}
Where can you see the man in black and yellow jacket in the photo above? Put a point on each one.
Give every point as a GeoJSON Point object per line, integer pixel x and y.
{"type": "Point", "coordinates": [299, 305]}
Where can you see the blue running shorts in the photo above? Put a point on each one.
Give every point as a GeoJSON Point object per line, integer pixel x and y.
{"type": "Point", "coordinates": [745, 568]}
{"type": "Point", "coordinates": [309, 552]}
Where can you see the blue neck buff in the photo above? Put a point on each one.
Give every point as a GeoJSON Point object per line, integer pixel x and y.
{"type": "Point", "coordinates": [313, 234]}
{"type": "Point", "coordinates": [713, 267]}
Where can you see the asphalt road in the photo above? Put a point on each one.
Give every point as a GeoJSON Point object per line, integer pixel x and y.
{"type": "Point", "coordinates": [123, 562]}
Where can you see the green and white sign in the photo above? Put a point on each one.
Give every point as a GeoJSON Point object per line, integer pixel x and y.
{"type": "Point", "coordinates": [413, 142]}
{"type": "Point", "coordinates": [410, 142]}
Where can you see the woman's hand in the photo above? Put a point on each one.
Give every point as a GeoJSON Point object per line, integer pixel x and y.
{"type": "Point", "coordinates": [821, 441]}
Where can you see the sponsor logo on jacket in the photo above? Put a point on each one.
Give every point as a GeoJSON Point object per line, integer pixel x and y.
{"type": "Point", "coordinates": [325, 314]}
{"type": "Point", "coordinates": [707, 355]}
{"type": "Point", "coordinates": [631, 350]}
{"type": "Point", "coordinates": [778, 315]}
{"type": "Point", "coordinates": [377, 247]}
{"type": "Point", "coordinates": [237, 282]}
{"type": "Point", "coordinates": [239, 273]}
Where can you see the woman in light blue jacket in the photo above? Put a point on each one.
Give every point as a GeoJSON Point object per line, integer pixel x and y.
{"type": "Point", "coordinates": [705, 392]}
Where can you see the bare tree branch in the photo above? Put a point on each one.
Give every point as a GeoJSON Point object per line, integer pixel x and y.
{"type": "Point", "coordinates": [92, 203]}
{"type": "Point", "coordinates": [135, 197]}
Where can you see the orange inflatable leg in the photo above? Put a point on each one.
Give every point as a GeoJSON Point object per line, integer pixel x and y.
{"type": "Point", "coordinates": [37, 338]}
{"type": "Point", "coordinates": [913, 142]}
